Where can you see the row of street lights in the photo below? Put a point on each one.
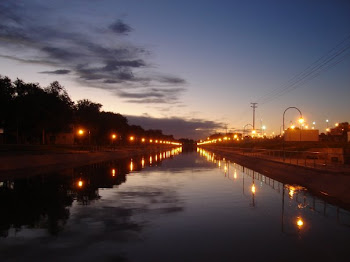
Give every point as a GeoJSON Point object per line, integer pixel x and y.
{"type": "Point", "coordinates": [81, 132]}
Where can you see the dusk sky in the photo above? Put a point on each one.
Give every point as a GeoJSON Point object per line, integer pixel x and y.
{"type": "Point", "coordinates": [187, 67]}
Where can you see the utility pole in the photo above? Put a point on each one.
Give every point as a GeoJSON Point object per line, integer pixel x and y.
{"type": "Point", "coordinates": [254, 105]}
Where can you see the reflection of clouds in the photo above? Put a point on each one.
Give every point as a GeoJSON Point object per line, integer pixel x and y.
{"type": "Point", "coordinates": [93, 231]}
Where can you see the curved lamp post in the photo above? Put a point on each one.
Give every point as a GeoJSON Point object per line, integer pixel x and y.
{"type": "Point", "coordinates": [301, 120]}
{"type": "Point", "coordinates": [245, 127]}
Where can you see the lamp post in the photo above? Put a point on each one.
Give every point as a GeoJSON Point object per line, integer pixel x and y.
{"type": "Point", "coordinates": [301, 120]}
{"type": "Point", "coordinates": [245, 127]}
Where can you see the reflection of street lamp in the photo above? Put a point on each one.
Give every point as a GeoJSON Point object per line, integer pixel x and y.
{"type": "Point", "coordinates": [80, 183]}
{"type": "Point", "coordinates": [300, 222]}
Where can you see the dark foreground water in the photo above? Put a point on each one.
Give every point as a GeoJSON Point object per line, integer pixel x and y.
{"type": "Point", "coordinates": [168, 206]}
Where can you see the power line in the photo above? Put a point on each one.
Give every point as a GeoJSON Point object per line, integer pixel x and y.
{"type": "Point", "coordinates": [324, 63]}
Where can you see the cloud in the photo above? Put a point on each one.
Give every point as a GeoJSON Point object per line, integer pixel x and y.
{"type": "Point", "coordinates": [97, 59]}
{"type": "Point", "coordinates": [180, 128]}
{"type": "Point", "coordinates": [120, 27]}
{"type": "Point", "coordinates": [57, 72]}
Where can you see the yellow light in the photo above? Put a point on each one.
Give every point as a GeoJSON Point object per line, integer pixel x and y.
{"type": "Point", "coordinates": [156, 141]}
{"type": "Point", "coordinates": [113, 172]}
{"type": "Point", "coordinates": [80, 183]}
{"type": "Point", "coordinates": [235, 175]}
{"type": "Point", "coordinates": [300, 222]}
{"type": "Point", "coordinates": [143, 162]}
{"type": "Point", "coordinates": [253, 189]}
{"type": "Point", "coordinates": [327, 129]}
{"type": "Point", "coordinates": [235, 136]}
{"type": "Point", "coordinates": [131, 166]}
{"type": "Point", "coordinates": [336, 124]}
{"type": "Point", "coordinates": [301, 120]}
{"type": "Point", "coordinates": [151, 140]}
{"type": "Point", "coordinates": [80, 131]}
{"type": "Point", "coordinates": [131, 138]}
{"type": "Point", "coordinates": [150, 160]}
{"type": "Point", "coordinates": [143, 140]}
{"type": "Point", "coordinates": [114, 136]}
{"type": "Point", "coordinates": [292, 126]}
{"type": "Point", "coordinates": [291, 192]}
{"type": "Point", "coordinates": [254, 132]}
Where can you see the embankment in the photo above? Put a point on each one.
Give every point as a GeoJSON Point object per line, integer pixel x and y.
{"type": "Point", "coordinates": [331, 186]}
{"type": "Point", "coordinates": [42, 162]}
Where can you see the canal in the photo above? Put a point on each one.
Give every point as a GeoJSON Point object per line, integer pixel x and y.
{"type": "Point", "coordinates": [169, 206]}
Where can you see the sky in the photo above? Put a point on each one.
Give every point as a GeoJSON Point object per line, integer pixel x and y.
{"type": "Point", "coordinates": [190, 68]}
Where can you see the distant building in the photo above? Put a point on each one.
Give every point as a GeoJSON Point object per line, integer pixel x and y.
{"type": "Point", "coordinates": [301, 134]}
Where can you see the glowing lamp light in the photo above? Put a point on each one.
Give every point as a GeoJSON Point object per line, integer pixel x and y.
{"type": "Point", "coordinates": [253, 189]}
{"type": "Point", "coordinates": [131, 166]}
{"type": "Point", "coordinates": [336, 124]}
{"type": "Point", "coordinates": [254, 132]}
{"type": "Point", "coordinates": [151, 140]}
{"type": "Point", "coordinates": [301, 120]}
{"type": "Point", "coordinates": [114, 136]}
{"type": "Point", "coordinates": [80, 183]}
{"type": "Point", "coordinates": [131, 138]}
{"type": "Point", "coordinates": [143, 140]}
{"type": "Point", "coordinates": [113, 172]}
{"type": "Point", "coordinates": [300, 222]}
{"type": "Point", "coordinates": [80, 132]}
{"type": "Point", "coordinates": [292, 126]}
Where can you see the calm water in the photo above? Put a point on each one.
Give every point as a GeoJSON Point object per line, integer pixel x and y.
{"type": "Point", "coordinates": [170, 206]}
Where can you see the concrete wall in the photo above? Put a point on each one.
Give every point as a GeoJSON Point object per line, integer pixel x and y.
{"type": "Point", "coordinates": [333, 155]}
{"type": "Point", "coordinates": [301, 135]}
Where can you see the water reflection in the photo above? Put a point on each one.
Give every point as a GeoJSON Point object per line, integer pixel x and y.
{"type": "Point", "coordinates": [44, 201]}
{"type": "Point", "coordinates": [298, 196]}
{"type": "Point", "coordinates": [192, 207]}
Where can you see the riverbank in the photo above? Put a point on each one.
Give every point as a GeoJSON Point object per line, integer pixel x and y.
{"type": "Point", "coordinates": [41, 161]}
{"type": "Point", "coordinates": [332, 186]}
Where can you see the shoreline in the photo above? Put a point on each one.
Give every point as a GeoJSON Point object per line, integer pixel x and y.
{"type": "Point", "coordinates": [331, 186]}
{"type": "Point", "coordinates": [45, 162]}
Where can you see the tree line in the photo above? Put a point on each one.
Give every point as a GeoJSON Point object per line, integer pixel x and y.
{"type": "Point", "coordinates": [28, 112]}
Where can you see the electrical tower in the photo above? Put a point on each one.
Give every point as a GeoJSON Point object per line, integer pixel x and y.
{"type": "Point", "coordinates": [254, 105]}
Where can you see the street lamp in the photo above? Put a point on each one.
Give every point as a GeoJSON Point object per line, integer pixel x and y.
{"type": "Point", "coordinates": [300, 121]}
{"type": "Point", "coordinates": [245, 127]}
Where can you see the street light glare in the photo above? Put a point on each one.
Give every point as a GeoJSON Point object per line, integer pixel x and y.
{"type": "Point", "coordinates": [301, 120]}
